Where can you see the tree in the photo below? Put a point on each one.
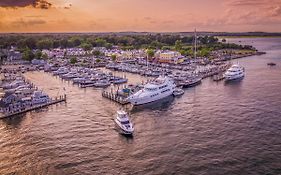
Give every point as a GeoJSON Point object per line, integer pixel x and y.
{"type": "Point", "coordinates": [150, 53]}
{"type": "Point", "coordinates": [178, 45]}
{"type": "Point", "coordinates": [86, 46]}
{"type": "Point", "coordinates": [38, 54]}
{"type": "Point", "coordinates": [108, 46]}
{"type": "Point", "coordinates": [113, 58]}
{"type": "Point", "coordinates": [74, 41]}
{"type": "Point", "coordinates": [73, 60]}
{"type": "Point", "coordinates": [100, 42]}
{"type": "Point", "coordinates": [28, 54]}
{"type": "Point", "coordinates": [98, 60]}
{"type": "Point", "coordinates": [45, 44]}
{"type": "Point", "coordinates": [96, 53]}
{"type": "Point", "coordinates": [44, 56]}
{"type": "Point", "coordinates": [204, 52]}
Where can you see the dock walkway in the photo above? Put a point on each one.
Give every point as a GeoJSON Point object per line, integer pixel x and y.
{"type": "Point", "coordinates": [114, 97]}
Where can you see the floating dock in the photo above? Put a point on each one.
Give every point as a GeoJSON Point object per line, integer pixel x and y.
{"type": "Point", "coordinates": [18, 112]}
{"type": "Point", "coordinates": [114, 97]}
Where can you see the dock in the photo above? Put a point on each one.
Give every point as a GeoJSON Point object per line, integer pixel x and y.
{"type": "Point", "coordinates": [114, 97]}
{"type": "Point", "coordinates": [32, 108]}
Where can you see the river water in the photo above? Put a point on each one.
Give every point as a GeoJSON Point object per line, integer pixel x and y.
{"type": "Point", "coordinates": [214, 128]}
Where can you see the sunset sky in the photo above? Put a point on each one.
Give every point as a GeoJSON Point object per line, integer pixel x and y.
{"type": "Point", "coordinates": [139, 15]}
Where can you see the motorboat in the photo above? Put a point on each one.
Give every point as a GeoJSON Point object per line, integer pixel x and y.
{"type": "Point", "coordinates": [157, 89]}
{"type": "Point", "coordinates": [86, 83]}
{"type": "Point", "coordinates": [120, 81]}
{"type": "Point", "coordinates": [271, 64]}
{"type": "Point", "coordinates": [102, 83]}
{"type": "Point", "coordinates": [61, 71]}
{"type": "Point", "coordinates": [38, 97]}
{"type": "Point", "coordinates": [178, 92]}
{"type": "Point", "coordinates": [123, 123]}
{"type": "Point", "coordinates": [70, 75]}
{"type": "Point", "coordinates": [14, 84]}
{"type": "Point", "coordinates": [234, 72]}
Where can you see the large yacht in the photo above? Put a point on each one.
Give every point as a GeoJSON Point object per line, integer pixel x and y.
{"type": "Point", "coordinates": [123, 123]}
{"type": "Point", "coordinates": [234, 72]}
{"type": "Point", "coordinates": [160, 88]}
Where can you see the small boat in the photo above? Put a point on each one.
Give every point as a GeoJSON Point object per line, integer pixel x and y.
{"type": "Point", "coordinates": [86, 83]}
{"type": "Point", "coordinates": [271, 64]}
{"type": "Point", "coordinates": [178, 92]}
{"type": "Point", "coordinates": [123, 123]}
{"type": "Point", "coordinates": [38, 97]}
{"type": "Point", "coordinates": [120, 81]}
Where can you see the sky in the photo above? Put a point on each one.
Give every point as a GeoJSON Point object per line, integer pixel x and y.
{"type": "Point", "coordinates": [140, 15]}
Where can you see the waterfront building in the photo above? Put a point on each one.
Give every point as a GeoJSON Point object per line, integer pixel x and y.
{"type": "Point", "coordinates": [172, 57]}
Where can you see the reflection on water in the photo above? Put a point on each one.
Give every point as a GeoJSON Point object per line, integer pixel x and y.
{"type": "Point", "coordinates": [214, 128]}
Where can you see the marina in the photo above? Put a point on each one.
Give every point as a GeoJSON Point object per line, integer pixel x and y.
{"type": "Point", "coordinates": [211, 120]}
{"type": "Point", "coordinates": [139, 87]}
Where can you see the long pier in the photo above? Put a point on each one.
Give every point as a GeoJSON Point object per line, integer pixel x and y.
{"type": "Point", "coordinates": [25, 110]}
{"type": "Point", "coordinates": [114, 97]}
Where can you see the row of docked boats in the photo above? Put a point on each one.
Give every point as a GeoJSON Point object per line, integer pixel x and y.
{"type": "Point", "coordinates": [138, 69]}
{"type": "Point", "coordinates": [88, 77]}
{"type": "Point", "coordinates": [20, 94]}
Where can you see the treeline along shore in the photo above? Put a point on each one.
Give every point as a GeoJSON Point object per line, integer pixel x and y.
{"type": "Point", "coordinates": [31, 45]}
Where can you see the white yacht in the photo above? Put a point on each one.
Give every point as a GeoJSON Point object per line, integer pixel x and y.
{"type": "Point", "coordinates": [123, 123]}
{"type": "Point", "coordinates": [38, 97]}
{"type": "Point", "coordinates": [234, 72]}
{"type": "Point", "coordinates": [160, 88]}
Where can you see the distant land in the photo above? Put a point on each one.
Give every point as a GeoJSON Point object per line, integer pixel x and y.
{"type": "Point", "coordinates": [199, 33]}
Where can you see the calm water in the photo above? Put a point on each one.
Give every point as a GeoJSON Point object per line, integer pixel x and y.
{"type": "Point", "coordinates": [215, 128]}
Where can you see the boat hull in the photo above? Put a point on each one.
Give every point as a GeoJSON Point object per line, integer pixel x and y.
{"type": "Point", "coordinates": [147, 100]}
{"type": "Point", "coordinates": [191, 84]}
{"type": "Point", "coordinates": [233, 78]}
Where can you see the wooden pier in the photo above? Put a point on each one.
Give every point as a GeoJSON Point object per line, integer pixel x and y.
{"type": "Point", "coordinates": [114, 97]}
{"type": "Point", "coordinates": [35, 107]}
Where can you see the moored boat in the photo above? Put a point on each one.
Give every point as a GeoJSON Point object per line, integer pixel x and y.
{"type": "Point", "coordinates": [190, 82]}
{"type": "Point", "coordinates": [159, 88]}
{"type": "Point", "coordinates": [271, 64]}
{"type": "Point", "coordinates": [178, 92]}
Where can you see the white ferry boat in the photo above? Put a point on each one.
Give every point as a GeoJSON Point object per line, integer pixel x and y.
{"type": "Point", "coordinates": [234, 72]}
{"type": "Point", "coordinates": [158, 89]}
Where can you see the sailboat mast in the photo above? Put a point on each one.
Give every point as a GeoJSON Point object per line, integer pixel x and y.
{"type": "Point", "coordinates": [195, 44]}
